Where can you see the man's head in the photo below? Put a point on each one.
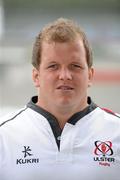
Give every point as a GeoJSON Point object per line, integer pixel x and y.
{"type": "Point", "coordinates": [63, 69]}
{"type": "Point", "coordinates": [62, 30]}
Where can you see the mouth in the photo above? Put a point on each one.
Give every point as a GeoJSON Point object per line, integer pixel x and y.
{"type": "Point", "coordinates": [65, 88]}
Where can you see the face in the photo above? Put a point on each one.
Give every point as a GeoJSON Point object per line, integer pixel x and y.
{"type": "Point", "coordinates": [63, 76]}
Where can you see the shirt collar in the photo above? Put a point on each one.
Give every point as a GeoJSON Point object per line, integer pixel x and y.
{"type": "Point", "coordinates": [74, 118]}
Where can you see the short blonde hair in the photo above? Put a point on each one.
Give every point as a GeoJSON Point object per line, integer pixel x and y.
{"type": "Point", "coordinates": [61, 30]}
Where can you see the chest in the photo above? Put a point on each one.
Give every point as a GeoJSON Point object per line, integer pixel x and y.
{"type": "Point", "coordinates": [81, 153]}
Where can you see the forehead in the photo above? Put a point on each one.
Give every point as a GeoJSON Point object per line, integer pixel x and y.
{"type": "Point", "coordinates": [75, 47]}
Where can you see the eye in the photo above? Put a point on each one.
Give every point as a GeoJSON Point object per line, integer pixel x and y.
{"type": "Point", "coordinates": [52, 66]}
{"type": "Point", "coordinates": [77, 66]}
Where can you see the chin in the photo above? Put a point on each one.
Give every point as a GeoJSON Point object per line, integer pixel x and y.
{"type": "Point", "coordinates": [64, 102]}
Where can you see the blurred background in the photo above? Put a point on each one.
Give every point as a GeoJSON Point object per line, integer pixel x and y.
{"type": "Point", "coordinates": [20, 22]}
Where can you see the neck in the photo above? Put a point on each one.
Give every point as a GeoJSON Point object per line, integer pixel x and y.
{"type": "Point", "coordinates": [62, 113]}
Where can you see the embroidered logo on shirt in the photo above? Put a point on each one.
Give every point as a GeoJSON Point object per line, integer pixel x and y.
{"type": "Point", "coordinates": [27, 152]}
{"type": "Point", "coordinates": [103, 153]}
{"type": "Point", "coordinates": [103, 148]}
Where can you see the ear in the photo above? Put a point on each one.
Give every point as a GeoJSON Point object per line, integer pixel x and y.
{"type": "Point", "coordinates": [90, 76]}
{"type": "Point", "coordinates": [35, 77]}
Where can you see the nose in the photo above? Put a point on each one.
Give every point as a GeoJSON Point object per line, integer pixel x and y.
{"type": "Point", "coordinates": [65, 74]}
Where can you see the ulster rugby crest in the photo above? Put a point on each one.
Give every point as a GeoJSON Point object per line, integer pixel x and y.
{"type": "Point", "coordinates": [103, 152]}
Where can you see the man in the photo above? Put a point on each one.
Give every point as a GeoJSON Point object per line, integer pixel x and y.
{"type": "Point", "coordinates": [61, 134]}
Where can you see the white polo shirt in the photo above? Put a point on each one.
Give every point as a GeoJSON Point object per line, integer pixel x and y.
{"type": "Point", "coordinates": [33, 147]}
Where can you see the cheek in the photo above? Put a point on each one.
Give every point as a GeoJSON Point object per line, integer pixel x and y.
{"type": "Point", "coordinates": [82, 81]}
{"type": "Point", "coordinates": [46, 81]}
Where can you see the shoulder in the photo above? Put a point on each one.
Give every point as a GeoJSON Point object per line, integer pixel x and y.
{"type": "Point", "coordinates": [110, 112]}
{"type": "Point", "coordinates": [11, 116]}
{"type": "Point", "coordinates": [106, 116]}
{"type": "Point", "coordinates": [109, 118]}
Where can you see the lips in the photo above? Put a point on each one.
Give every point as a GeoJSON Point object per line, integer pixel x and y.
{"type": "Point", "coordinates": [65, 87]}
